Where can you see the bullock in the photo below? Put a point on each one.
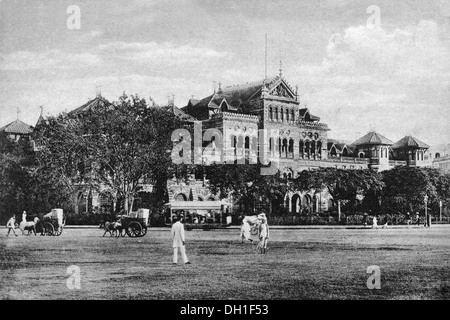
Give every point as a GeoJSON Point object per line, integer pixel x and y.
{"type": "Point", "coordinates": [249, 227]}
{"type": "Point", "coordinates": [114, 227]}
{"type": "Point", "coordinates": [30, 226]}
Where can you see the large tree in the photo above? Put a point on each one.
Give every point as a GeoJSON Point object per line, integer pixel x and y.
{"type": "Point", "coordinates": [349, 186]}
{"type": "Point", "coordinates": [119, 147]}
{"type": "Point", "coordinates": [247, 186]}
{"type": "Point", "coordinates": [406, 188]}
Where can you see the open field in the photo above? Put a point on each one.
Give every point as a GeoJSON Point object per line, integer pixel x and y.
{"type": "Point", "coordinates": [300, 264]}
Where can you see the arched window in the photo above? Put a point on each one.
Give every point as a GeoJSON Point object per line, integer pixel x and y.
{"type": "Point", "coordinates": [247, 143]}
{"type": "Point", "coordinates": [319, 147]}
{"type": "Point", "coordinates": [291, 148]}
{"type": "Point", "coordinates": [437, 155]}
{"type": "Point", "coordinates": [271, 113]}
{"type": "Point", "coordinates": [282, 114]}
{"type": "Point", "coordinates": [333, 151]}
{"type": "Point", "coordinates": [307, 148]}
{"type": "Point", "coordinates": [361, 155]}
{"type": "Point", "coordinates": [181, 197]}
{"type": "Point", "coordinates": [287, 115]}
{"type": "Point", "coordinates": [301, 147]}
{"type": "Point", "coordinates": [285, 147]}
{"type": "Point", "coordinates": [292, 115]}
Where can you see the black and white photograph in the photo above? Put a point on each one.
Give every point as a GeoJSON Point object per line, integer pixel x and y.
{"type": "Point", "coordinates": [223, 155]}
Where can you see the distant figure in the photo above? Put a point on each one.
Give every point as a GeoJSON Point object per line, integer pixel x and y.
{"type": "Point", "coordinates": [417, 219]}
{"type": "Point", "coordinates": [263, 234]}
{"type": "Point", "coordinates": [428, 223]}
{"type": "Point", "coordinates": [408, 218]}
{"type": "Point", "coordinates": [11, 225]}
{"type": "Point", "coordinates": [24, 216]}
{"type": "Point", "coordinates": [374, 222]}
{"type": "Point", "coordinates": [178, 241]}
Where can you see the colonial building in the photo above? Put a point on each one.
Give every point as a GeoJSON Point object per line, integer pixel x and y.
{"type": "Point", "coordinates": [295, 140]}
{"type": "Point", "coordinates": [300, 142]}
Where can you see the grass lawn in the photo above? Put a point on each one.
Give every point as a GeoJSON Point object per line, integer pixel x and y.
{"type": "Point", "coordinates": [300, 264]}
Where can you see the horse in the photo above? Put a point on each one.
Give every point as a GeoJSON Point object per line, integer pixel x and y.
{"type": "Point", "coordinates": [30, 226]}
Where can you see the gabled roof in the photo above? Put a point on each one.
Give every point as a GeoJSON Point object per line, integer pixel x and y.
{"type": "Point", "coordinates": [372, 138]}
{"type": "Point", "coordinates": [92, 105]}
{"type": "Point", "coordinates": [236, 96]}
{"type": "Point", "coordinates": [178, 112]}
{"type": "Point", "coordinates": [17, 127]}
{"type": "Point", "coordinates": [307, 116]}
{"type": "Point", "coordinates": [410, 142]}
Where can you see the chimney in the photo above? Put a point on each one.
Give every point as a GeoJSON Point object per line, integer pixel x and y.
{"type": "Point", "coordinates": [220, 88]}
{"type": "Point", "coordinates": [214, 86]}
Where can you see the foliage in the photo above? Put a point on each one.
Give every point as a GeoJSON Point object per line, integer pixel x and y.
{"type": "Point", "coordinates": [246, 185]}
{"type": "Point", "coordinates": [406, 188]}
{"type": "Point", "coordinates": [349, 186]}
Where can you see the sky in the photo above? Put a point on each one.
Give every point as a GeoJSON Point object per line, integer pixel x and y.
{"type": "Point", "coordinates": [356, 72]}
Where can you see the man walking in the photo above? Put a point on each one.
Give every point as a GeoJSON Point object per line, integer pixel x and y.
{"type": "Point", "coordinates": [178, 240]}
{"type": "Point", "coordinates": [11, 225]}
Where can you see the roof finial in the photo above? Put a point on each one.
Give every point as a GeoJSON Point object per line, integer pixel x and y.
{"type": "Point", "coordinates": [214, 82]}
{"type": "Point", "coordinates": [220, 87]}
{"type": "Point", "coordinates": [18, 112]}
{"type": "Point", "coordinates": [281, 68]}
{"type": "Point", "coordinates": [42, 110]}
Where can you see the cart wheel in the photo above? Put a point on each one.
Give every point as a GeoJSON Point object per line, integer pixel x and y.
{"type": "Point", "coordinates": [122, 232]}
{"type": "Point", "coordinates": [48, 229]}
{"type": "Point", "coordinates": [254, 231]}
{"type": "Point", "coordinates": [58, 231]}
{"type": "Point", "coordinates": [134, 229]}
{"type": "Point", "coordinates": [144, 231]}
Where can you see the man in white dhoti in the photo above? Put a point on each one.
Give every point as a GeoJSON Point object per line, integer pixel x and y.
{"type": "Point", "coordinates": [24, 216]}
{"type": "Point", "coordinates": [245, 231]}
{"type": "Point", "coordinates": [375, 222]}
{"type": "Point", "coordinates": [178, 241]}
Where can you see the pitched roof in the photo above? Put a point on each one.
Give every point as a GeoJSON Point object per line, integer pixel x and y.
{"type": "Point", "coordinates": [235, 96]}
{"type": "Point", "coordinates": [92, 105]}
{"type": "Point", "coordinates": [410, 142]}
{"type": "Point", "coordinates": [17, 126]}
{"type": "Point", "coordinates": [372, 138]}
{"type": "Point", "coordinates": [178, 112]}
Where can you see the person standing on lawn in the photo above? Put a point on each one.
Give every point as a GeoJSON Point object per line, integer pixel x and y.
{"type": "Point", "coordinates": [178, 240]}
{"type": "Point", "coordinates": [11, 225]}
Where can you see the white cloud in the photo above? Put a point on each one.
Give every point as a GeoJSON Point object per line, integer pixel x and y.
{"type": "Point", "coordinates": [161, 53]}
{"type": "Point", "coordinates": [52, 59]}
{"type": "Point", "coordinates": [395, 82]}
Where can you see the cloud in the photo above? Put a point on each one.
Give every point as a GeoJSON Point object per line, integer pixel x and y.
{"type": "Point", "coordinates": [396, 82]}
{"type": "Point", "coordinates": [52, 59]}
{"type": "Point", "coordinates": [161, 53]}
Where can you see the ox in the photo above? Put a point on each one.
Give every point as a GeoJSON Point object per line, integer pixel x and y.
{"type": "Point", "coordinates": [30, 226]}
{"type": "Point", "coordinates": [249, 227]}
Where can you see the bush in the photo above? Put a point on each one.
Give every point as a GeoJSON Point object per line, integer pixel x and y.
{"type": "Point", "coordinates": [83, 219]}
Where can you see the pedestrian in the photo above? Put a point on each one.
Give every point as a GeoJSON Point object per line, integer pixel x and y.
{"type": "Point", "coordinates": [263, 234]}
{"type": "Point", "coordinates": [417, 219]}
{"type": "Point", "coordinates": [374, 222]}
{"type": "Point", "coordinates": [429, 220]}
{"type": "Point", "coordinates": [11, 225]}
{"type": "Point", "coordinates": [408, 218]}
{"type": "Point", "coordinates": [24, 216]}
{"type": "Point", "coordinates": [179, 240]}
